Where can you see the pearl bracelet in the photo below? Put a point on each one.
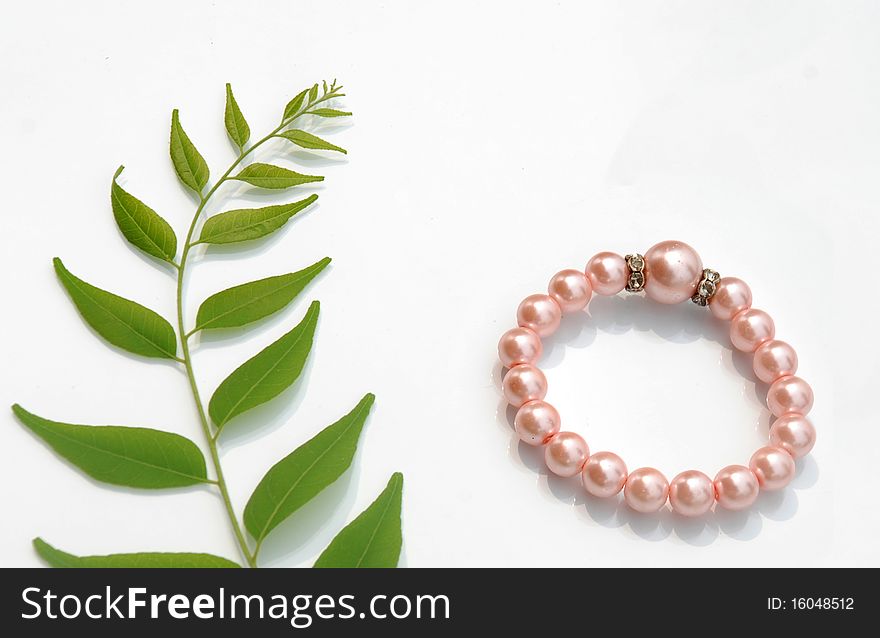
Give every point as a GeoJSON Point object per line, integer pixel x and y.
{"type": "Point", "coordinates": [669, 272]}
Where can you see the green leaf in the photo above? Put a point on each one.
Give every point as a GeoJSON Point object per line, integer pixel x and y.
{"type": "Point", "coordinates": [329, 113]}
{"type": "Point", "coordinates": [307, 140]}
{"type": "Point", "coordinates": [124, 323]}
{"type": "Point", "coordinates": [313, 93]}
{"type": "Point", "coordinates": [245, 224]}
{"type": "Point", "coordinates": [188, 162]}
{"type": "Point", "coordinates": [254, 300]}
{"type": "Point", "coordinates": [134, 457]}
{"type": "Point", "coordinates": [236, 125]}
{"type": "Point", "coordinates": [141, 225]}
{"type": "Point", "coordinates": [57, 558]}
{"type": "Point", "coordinates": [267, 374]}
{"type": "Point", "coordinates": [295, 104]}
{"type": "Point", "coordinates": [274, 177]}
{"type": "Point", "coordinates": [374, 538]}
{"type": "Point", "coordinates": [301, 475]}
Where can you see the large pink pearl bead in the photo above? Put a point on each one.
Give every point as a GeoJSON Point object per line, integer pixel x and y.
{"type": "Point", "coordinates": [607, 273]}
{"type": "Point", "coordinates": [750, 328]}
{"type": "Point", "coordinates": [790, 394]}
{"type": "Point", "coordinates": [773, 466]}
{"type": "Point", "coordinates": [570, 289]}
{"type": "Point", "coordinates": [794, 434]}
{"type": "Point", "coordinates": [731, 297]}
{"type": "Point", "coordinates": [566, 454]}
{"type": "Point", "coordinates": [519, 345]}
{"type": "Point", "coordinates": [774, 359]}
{"type": "Point", "coordinates": [539, 313]}
{"type": "Point", "coordinates": [524, 383]}
{"type": "Point", "coordinates": [646, 490]}
{"type": "Point", "coordinates": [736, 487]}
{"type": "Point", "coordinates": [672, 271]}
{"type": "Point", "coordinates": [536, 422]}
{"type": "Point", "coordinates": [691, 493]}
{"type": "Point", "coordinates": [604, 474]}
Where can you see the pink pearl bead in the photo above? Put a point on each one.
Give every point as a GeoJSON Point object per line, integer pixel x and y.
{"type": "Point", "coordinates": [539, 313]}
{"type": "Point", "coordinates": [536, 422]}
{"type": "Point", "coordinates": [607, 273]}
{"type": "Point", "coordinates": [736, 487]}
{"type": "Point", "coordinates": [774, 359]}
{"type": "Point", "coordinates": [750, 328]}
{"type": "Point", "coordinates": [566, 454]}
{"type": "Point", "coordinates": [691, 493]}
{"type": "Point", "coordinates": [519, 345]}
{"type": "Point", "coordinates": [524, 383]}
{"type": "Point", "coordinates": [604, 474]}
{"type": "Point", "coordinates": [570, 289]}
{"type": "Point", "coordinates": [790, 394]}
{"type": "Point", "coordinates": [773, 466]}
{"type": "Point", "coordinates": [731, 297]}
{"type": "Point", "coordinates": [672, 271]}
{"type": "Point", "coordinates": [646, 490]}
{"type": "Point", "coordinates": [794, 434]}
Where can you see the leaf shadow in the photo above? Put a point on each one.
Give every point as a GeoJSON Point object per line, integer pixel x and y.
{"type": "Point", "coordinates": [298, 538]}
{"type": "Point", "coordinates": [269, 416]}
{"type": "Point", "coordinates": [677, 324]}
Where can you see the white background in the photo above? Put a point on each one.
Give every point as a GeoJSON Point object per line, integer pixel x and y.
{"type": "Point", "coordinates": [493, 144]}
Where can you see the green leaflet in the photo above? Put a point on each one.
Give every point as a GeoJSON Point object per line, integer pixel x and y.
{"type": "Point", "coordinates": [124, 323]}
{"type": "Point", "coordinates": [267, 374]}
{"type": "Point", "coordinates": [245, 224]}
{"type": "Point", "coordinates": [307, 140]}
{"type": "Point", "coordinates": [134, 457]}
{"type": "Point", "coordinates": [374, 538]}
{"type": "Point", "coordinates": [274, 177]}
{"type": "Point", "coordinates": [141, 225]}
{"type": "Point", "coordinates": [188, 162]}
{"type": "Point", "coordinates": [254, 300]}
{"type": "Point", "coordinates": [313, 93]}
{"type": "Point", "coordinates": [301, 475]}
{"type": "Point", "coordinates": [329, 113]}
{"type": "Point", "coordinates": [236, 125]}
{"type": "Point", "coordinates": [57, 558]}
{"type": "Point", "coordinates": [295, 105]}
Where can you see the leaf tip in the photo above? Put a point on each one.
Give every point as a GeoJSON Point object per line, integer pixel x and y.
{"type": "Point", "coordinates": [368, 400]}
{"type": "Point", "coordinates": [59, 266]}
{"type": "Point", "coordinates": [17, 409]}
{"type": "Point", "coordinates": [118, 171]}
{"type": "Point", "coordinates": [228, 87]}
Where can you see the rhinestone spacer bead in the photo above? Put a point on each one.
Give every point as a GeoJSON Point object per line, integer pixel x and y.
{"type": "Point", "coordinates": [706, 287]}
{"type": "Point", "coordinates": [636, 280]}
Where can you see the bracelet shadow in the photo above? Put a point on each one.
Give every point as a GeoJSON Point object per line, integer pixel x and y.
{"type": "Point", "coordinates": [677, 324]}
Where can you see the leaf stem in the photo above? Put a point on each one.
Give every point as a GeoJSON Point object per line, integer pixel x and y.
{"type": "Point", "coordinates": [186, 360]}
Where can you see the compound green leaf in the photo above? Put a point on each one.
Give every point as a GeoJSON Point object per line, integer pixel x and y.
{"type": "Point", "coordinates": [301, 475]}
{"type": "Point", "coordinates": [57, 558]}
{"type": "Point", "coordinates": [274, 177]}
{"type": "Point", "coordinates": [374, 538]}
{"type": "Point", "coordinates": [236, 125]}
{"type": "Point", "coordinates": [267, 374]}
{"type": "Point", "coordinates": [307, 140]}
{"type": "Point", "coordinates": [254, 300]}
{"type": "Point", "coordinates": [122, 322]}
{"type": "Point", "coordinates": [245, 224]}
{"type": "Point", "coordinates": [141, 225]}
{"type": "Point", "coordinates": [188, 162]}
{"type": "Point", "coordinates": [134, 457]}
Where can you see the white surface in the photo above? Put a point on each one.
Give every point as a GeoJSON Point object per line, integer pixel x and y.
{"type": "Point", "coordinates": [492, 145]}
